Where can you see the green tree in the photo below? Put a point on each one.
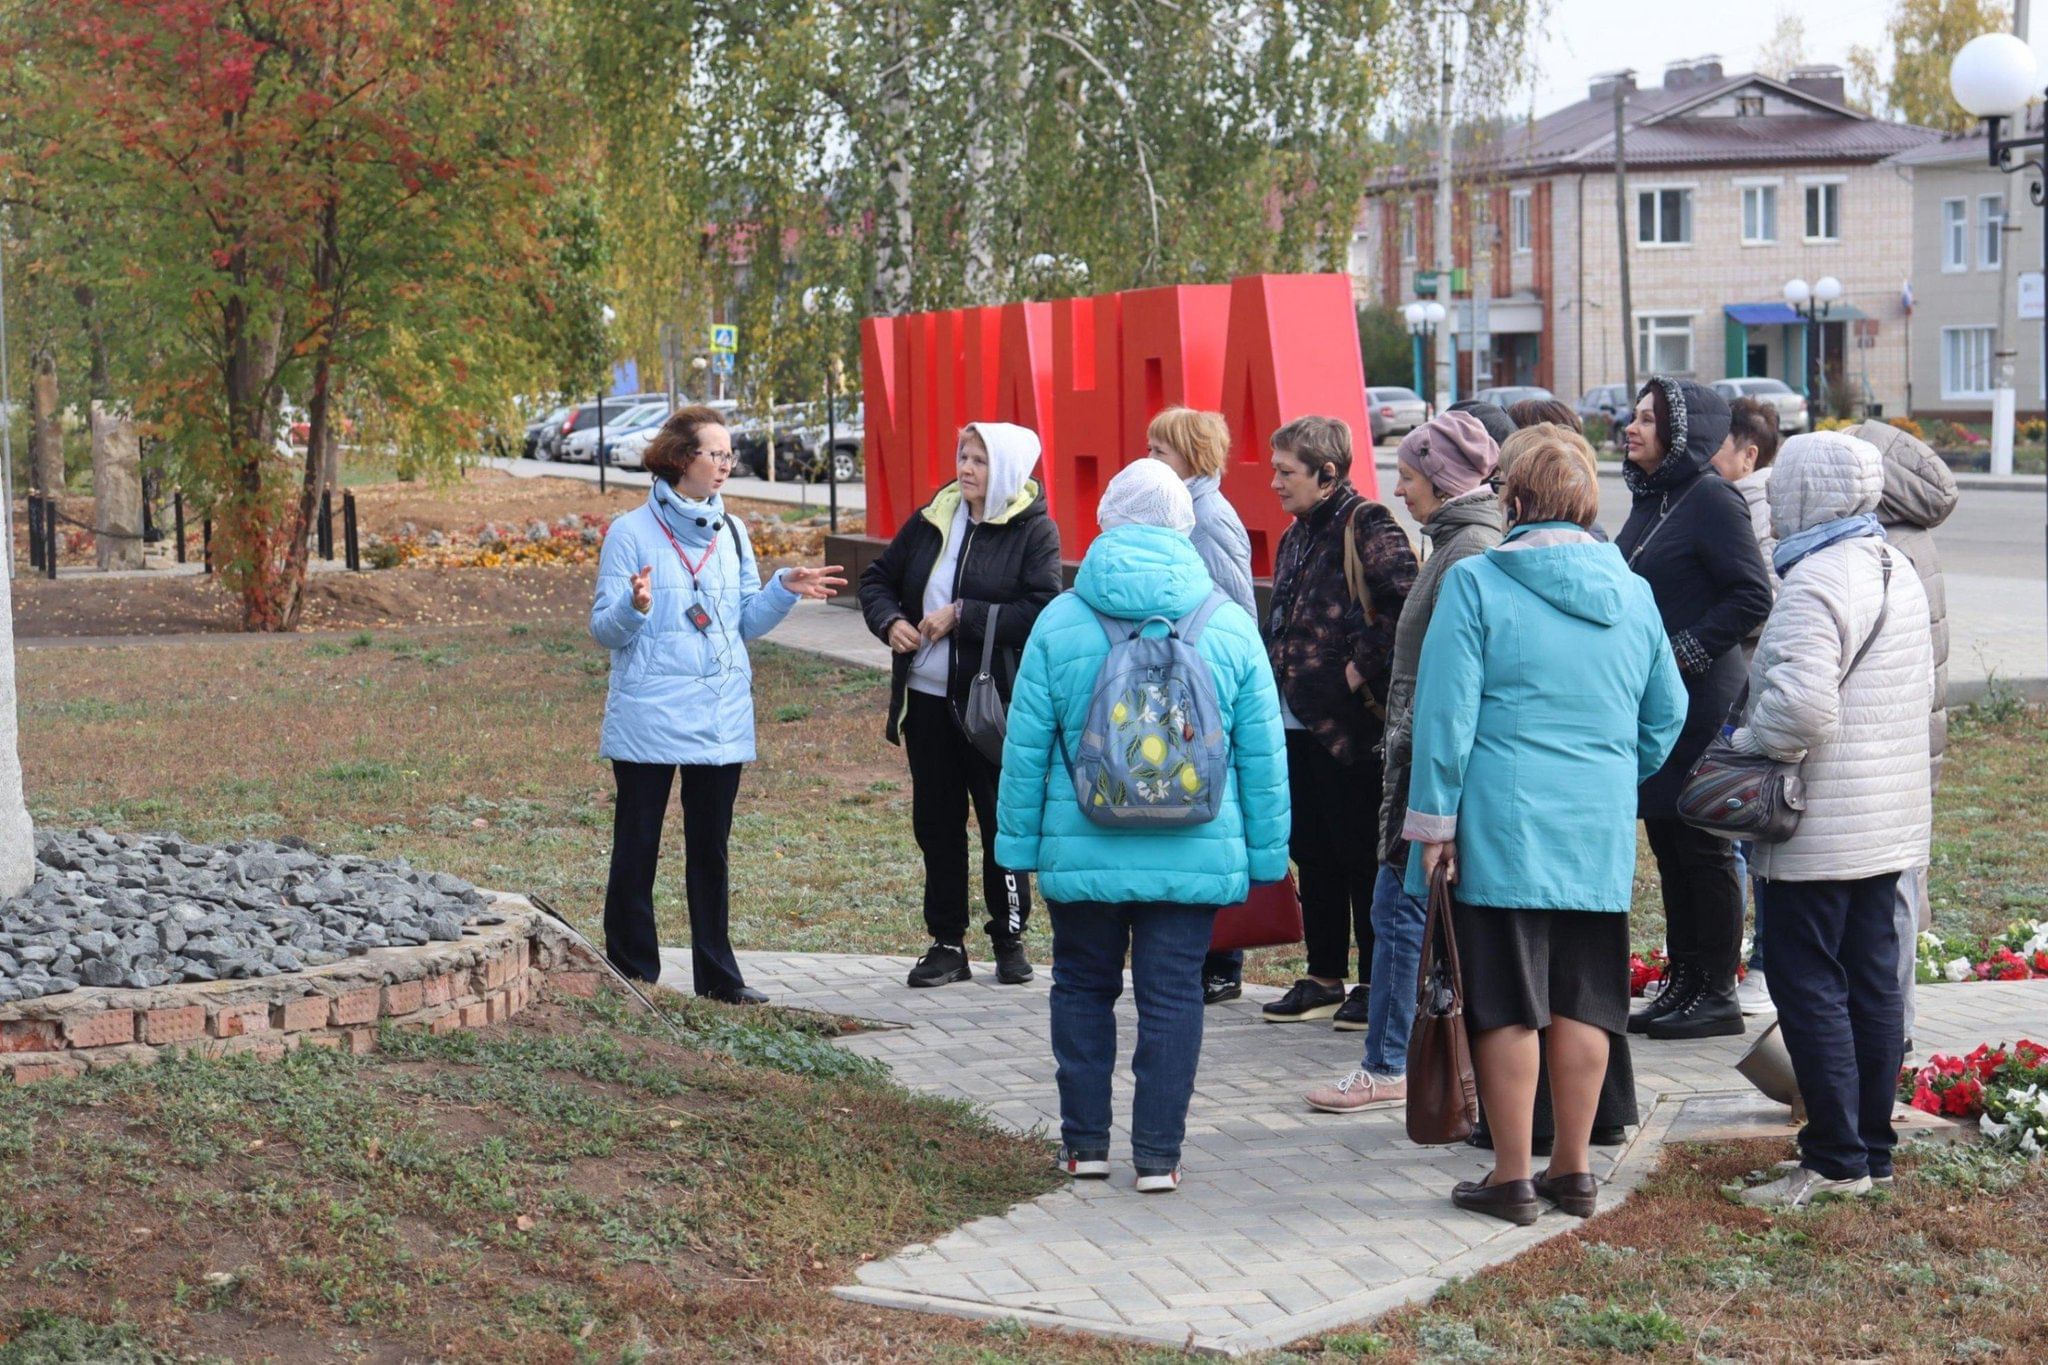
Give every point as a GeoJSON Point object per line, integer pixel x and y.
{"type": "Point", "coordinates": [1385, 346]}
{"type": "Point", "coordinates": [1925, 36]}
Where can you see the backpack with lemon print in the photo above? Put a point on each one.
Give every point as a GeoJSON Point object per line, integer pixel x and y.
{"type": "Point", "coordinates": [1154, 754]}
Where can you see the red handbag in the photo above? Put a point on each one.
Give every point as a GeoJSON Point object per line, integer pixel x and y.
{"type": "Point", "coordinates": [1269, 917]}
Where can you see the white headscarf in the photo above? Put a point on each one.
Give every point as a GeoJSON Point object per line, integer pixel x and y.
{"type": "Point", "coordinates": [1147, 493]}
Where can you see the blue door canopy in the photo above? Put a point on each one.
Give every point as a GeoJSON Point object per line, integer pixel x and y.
{"type": "Point", "coordinates": [1780, 314]}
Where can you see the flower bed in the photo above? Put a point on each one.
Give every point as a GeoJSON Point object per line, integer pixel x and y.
{"type": "Point", "coordinates": [2004, 1088]}
{"type": "Point", "coordinates": [572, 540]}
{"type": "Point", "coordinates": [2019, 954]}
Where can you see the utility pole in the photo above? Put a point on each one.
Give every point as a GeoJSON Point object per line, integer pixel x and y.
{"type": "Point", "coordinates": [1622, 80]}
{"type": "Point", "coordinates": [2005, 342]}
{"type": "Point", "coordinates": [1447, 346]}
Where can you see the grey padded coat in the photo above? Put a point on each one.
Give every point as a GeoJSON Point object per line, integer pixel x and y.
{"type": "Point", "coordinates": [1869, 796]}
{"type": "Point", "coordinates": [1919, 494]}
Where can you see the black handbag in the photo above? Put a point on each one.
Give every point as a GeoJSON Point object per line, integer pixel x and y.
{"type": "Point", "coordinates": [1754, 796]}
{"type": "Point", "coordinates": [983, 718]}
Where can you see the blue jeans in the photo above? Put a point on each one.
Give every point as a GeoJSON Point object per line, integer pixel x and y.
{"type": "Point", "coordinates": [1166, 943]}
{"type": "Point", "coordinates": [1835, 980]}
{"type": "Point", "coordinates": [1756, 938]}
{"type": "Point", "coordinates": [1398, 920]}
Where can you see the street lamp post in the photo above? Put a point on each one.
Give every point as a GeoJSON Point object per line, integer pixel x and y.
{"type": "Point", "coordinates": [1813, 303]}
{"type": "Point", "coordinates": [608, 314]}
{"type": "Point", "coordinates": [832, 303]}
{"type": "Point", "coordinates": [1420, 317]}
{"type": "Point", "coordinates": [1995, 77]}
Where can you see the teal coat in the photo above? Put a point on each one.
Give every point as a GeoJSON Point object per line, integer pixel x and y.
{"type": "Point", "coordinates": [1547, 693]}
{"type": "Point", "coordinates": [1132, 572]}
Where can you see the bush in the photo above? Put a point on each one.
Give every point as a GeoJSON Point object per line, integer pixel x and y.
{"type": "Point", "coordinates": [1907, 425]}
{"type": "Point", "coordinates": [1384, 346]}
{"type": "Point", "coordinates": [1599, 430]}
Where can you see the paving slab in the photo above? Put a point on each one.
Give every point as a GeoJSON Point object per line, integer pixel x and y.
{"type": "Point", "coordinates": [1289, 1222]}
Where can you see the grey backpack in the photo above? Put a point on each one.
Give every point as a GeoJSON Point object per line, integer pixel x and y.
{"type": "Point", "coordinates": [1154, 754]}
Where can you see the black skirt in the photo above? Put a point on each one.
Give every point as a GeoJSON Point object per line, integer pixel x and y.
{"type": "Point", "coordinates": [1524, 966]}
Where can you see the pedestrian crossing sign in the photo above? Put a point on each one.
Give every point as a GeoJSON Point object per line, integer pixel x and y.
{"type": "Point", "coordinates": [725, 338]}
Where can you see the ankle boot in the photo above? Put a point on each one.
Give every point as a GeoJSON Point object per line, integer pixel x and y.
{"type": "Point", "coordinates": [1710, 1010]}
{"type": "Point", "coordinates": [1679, 983]}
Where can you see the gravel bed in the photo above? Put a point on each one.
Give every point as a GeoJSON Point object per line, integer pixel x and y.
{"type": "Point", "coordinates": [146, 910]}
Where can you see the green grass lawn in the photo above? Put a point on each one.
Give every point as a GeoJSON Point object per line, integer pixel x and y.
{"type": "Point", "coordinates": [474, 751]}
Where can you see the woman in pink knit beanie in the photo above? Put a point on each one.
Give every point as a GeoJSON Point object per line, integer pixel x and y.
{"type": "Point", "coordinates": [1453, 452]}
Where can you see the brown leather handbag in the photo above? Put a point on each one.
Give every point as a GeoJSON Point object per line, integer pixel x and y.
{"type": "Point", "coordinates": [1443, 1095]}
{"type": "Point", "coordinates": [1269, 917]}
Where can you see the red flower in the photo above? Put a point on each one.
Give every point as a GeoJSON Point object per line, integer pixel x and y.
{"type": "Point", "coordinates": [1926, 1100]}
{"type": "Point", "coordinates": [2039, 962]}
{"type": "Point", "coordinates": [2029, 1053]}
{"type": "Point", "coordinates": [1964, 1100]}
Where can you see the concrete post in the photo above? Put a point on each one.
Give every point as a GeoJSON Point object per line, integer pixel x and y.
{"type": "Point", "coordinates": [17, 831]}
{"type": "Point", "coordinates": [116, 488]}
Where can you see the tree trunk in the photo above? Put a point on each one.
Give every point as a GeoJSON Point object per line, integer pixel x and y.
{"type": "Point", "coordinates": [247, 534]}
{"type": "Point", "coordinates": [319, 414]}
{"type": "Point", "coordinates": [895, 235]}
{"type": "Point", "coordinates": [46, 438]}
{"type": "Point", "coordinates": [17, 831]}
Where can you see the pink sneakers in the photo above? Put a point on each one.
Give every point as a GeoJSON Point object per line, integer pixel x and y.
{"type": "Point", "coordinates": [1359, 1091]}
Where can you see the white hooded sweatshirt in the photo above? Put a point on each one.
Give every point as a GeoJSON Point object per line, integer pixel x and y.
{"type": "Point", "coordinates": [1012, 454]}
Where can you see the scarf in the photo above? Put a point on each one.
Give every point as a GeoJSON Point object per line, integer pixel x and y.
{"type": "Point", "coordinates": [1794, 548]}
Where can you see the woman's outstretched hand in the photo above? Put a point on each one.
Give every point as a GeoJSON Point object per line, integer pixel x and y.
{"type": "Point", "coordinates": [817, 584]}
{"type": "Point", "coordinates": [643, 590]}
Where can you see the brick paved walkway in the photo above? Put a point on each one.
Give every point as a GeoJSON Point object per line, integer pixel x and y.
{"type": "Point", "coordinates": [1289, 1222]}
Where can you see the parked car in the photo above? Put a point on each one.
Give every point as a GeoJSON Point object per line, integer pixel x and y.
{"type": "Point", "coordinates": [529, 446]}
{"type": "Point", "coordinates": [1395, 411]}
{"type": "Point", "coordinates": [581, 444]}
{"type": "Point", "coordinates": [1507, 395]}
{"type": "Point", "coordinates": [553, 443]}
{"type": "Point", "coordinates": [1789, 402]}
{"type": "Point", "coordinates": [1611, 401]}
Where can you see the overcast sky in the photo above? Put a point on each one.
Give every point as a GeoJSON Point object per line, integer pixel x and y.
{"type": "Point", "coordinates": [1589, 36]}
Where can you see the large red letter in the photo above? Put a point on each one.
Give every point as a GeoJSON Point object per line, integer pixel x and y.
{"type": "Point", "coordinates": [1087, 386]}
{"type": "Point", "coordinates": [1293, 351]}
{"type": "Point", "coordinates": [1173, 354]}
{"type": "Point", "coordinates": [890, 405]}
{"type": "Point", "coordinates": [1024, 381]}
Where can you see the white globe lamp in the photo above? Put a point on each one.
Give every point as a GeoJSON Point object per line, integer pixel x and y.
{"type": "Point", "coordinates": [1797, 292]}
{"type": "Point", "coordinates": [1994, 75]}
{"type": "Point", "coordinates": [1827, 289]}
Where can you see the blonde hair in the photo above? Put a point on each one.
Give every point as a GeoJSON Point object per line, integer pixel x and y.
{"type": "Point", "coordinates": [1200, 438]}
{"type": "Point", "coordinates": [1549, 474]}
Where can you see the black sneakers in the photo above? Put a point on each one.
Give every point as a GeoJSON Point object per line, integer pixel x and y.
{"type": "Point", "coordinates": [1678, 984]}
{"type": "Point", "coordinates": [1709, 1010]}
{"type": "Point", "coordinates": [1217, 989]}
{"type": "Point", "coordinates": [1305, 999]}
{"type": "Point", "coordinates": [1350, 1016]}
{"type": "Point", "coordinates": [943, 964]}
{"type": "Point", "coordinates": [1012, 967]}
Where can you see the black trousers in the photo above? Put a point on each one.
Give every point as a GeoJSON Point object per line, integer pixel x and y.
{"type": "Point", "coordinates": [1702, 897]}
{"type": "Point", "coordinates": [630, 940]}
{"type": "Point", "coordinates": [946, 772]}
{"type": "Point", "coordinates": [1334, 842]}
{"type": "Point", "coordinates": [1833, 950]}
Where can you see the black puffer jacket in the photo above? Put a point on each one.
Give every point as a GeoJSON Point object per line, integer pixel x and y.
{"type": "Point", "coordinates": [1689, 536]}
{"type": "Point", "coordinates": [1012, 560]}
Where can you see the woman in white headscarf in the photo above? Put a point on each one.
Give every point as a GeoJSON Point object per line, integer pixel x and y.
{"type": "Point", "coordinates": [982, 555]}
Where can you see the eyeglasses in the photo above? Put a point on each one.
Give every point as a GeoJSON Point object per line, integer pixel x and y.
{"type": "Point", "coordinates": [723, 458]}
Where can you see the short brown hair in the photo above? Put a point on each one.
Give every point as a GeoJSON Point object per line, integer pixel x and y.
{"type": "Point", "coordinates": [1319, 443]}
{"type": "Point", "coordinates": [1200, 438]}
{"type": "Point", "coordinates": [677, 443]}
{"type": "Point", "coordinates": [1551, 477]}
{"type": "Point", "coordinates": [1556, 411]}
{"type": "Point", "coordinates": [1753, 422]}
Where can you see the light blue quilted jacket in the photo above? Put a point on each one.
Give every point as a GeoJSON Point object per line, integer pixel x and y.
{"type": "Point", "coordinates": [1132, 572]}
{"type": "Point", "coordinates": [680, 694]}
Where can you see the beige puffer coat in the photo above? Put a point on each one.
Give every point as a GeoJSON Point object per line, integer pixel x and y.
{"type": "Point", "coordinates": [1869, 794]}
{"type": "Point", "coordinates": [1919, 494]}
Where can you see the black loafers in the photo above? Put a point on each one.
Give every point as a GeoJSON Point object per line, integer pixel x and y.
{"type": "Point", "coordinates": [1511, 1201]}
{"type": "Point", "coordinates": [1578, 1194]}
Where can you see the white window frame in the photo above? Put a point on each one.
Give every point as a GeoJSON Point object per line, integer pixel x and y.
{"type": "Point", "coordinates": [1407, 216]}
{"type": "Point", "coordinates": [1358, 259]}
{"type": "Point", "coordinates": [1990, 231]}
{"type": "Point", "coordinates": [1685, 215]}
{"type": "Point", "coordinates": [1653, 326]}
{"type": "Point", "coordinates": [1760, 188]}
{"type": "Point", "coordinates": [1809, 185]}
{"type": "Point", "coordinates": [1521, 224]}
{"type": "Point", "coordinates": [1955, 236]}
{"type": "Point", "coordinates": [1742, 103]}
{"type": "Point", "coordinates": [1986, 341]}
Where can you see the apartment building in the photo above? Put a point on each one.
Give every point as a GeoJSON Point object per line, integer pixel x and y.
{"type": "Point", "coordinates": [1977, 285]}
{"type": "Point", "coordinates": [1733, 185]}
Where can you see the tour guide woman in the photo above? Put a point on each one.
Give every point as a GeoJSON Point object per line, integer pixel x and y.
{"type": "Point", "coordinates": [678, 597]}
{"type": "Point", "coordinates": [1546, 693]}
{"type": "Point", "coordinates": [982, 550]}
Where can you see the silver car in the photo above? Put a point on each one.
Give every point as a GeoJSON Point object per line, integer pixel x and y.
{"type": "Point", "coordinates": [1396, 412]}
{"type": "Point", "coordinates": [1791, 404]}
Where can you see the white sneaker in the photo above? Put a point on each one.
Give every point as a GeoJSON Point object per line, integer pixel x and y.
{"type": "Point", "coordinates": [1787, 1167]}
{"type": "Point", "coordinates": [1752, 996]}
{"type": "Point", "coordinates": [1159, 1182]}
{"type": "Point", "coordinates": [1801, 1189]}
{"type": "Point", "coordinates": [1083, 1166]}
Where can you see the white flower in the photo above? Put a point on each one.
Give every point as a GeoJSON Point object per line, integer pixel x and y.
{"type": "Point", "coordinates": [2030, 1145]}
{"type": "Point", "coordinates": [1957, 969]}
{"type": "Point", "coordinates": [2034, 945]}
{"type": "Point", "coordinates": [1930, 943]}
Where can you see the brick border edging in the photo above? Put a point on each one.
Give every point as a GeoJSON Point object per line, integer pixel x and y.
{"type": "Point", "coordinates": [490, 974]}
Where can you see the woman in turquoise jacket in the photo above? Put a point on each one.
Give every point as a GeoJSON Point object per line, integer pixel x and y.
{"type": "Point", "coordinates": [1547, 693]}
{"type": "Point", "coordinates": [1153, 893]}
{"type": "Point", "coordinates": [678, 597]}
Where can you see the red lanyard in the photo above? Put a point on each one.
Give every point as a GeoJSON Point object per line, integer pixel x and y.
{"type": "Point", "coordinates": [692, 569]}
